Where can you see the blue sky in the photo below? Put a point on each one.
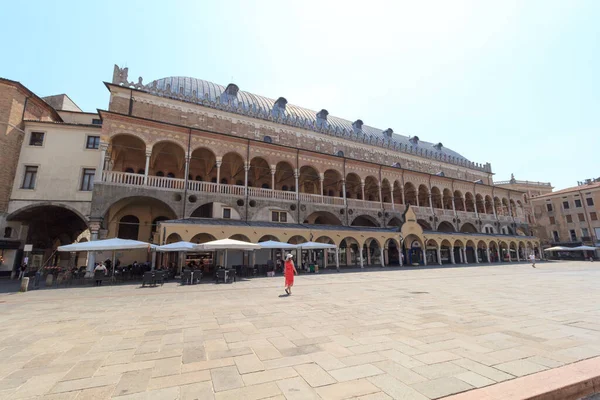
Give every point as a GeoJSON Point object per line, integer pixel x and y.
{"type": "Point", "coordinates": [513, 83]}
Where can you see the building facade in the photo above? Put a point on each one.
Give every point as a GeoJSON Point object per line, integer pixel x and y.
{"type": "Point", "coordinates": [205, 157]}
{"type": "Point", "coordinates": [569, 217]}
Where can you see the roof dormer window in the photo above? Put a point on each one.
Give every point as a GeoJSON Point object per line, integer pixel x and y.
{"type": "Point", "coordinates": [438, 146]}
{"type": "Point", "coordinates": [322, 119]}
{"type": "Point", "coordinates": [388, 133]}
{"type": "Point", "coordinates": [414, 140]}
{"type": "Point", "coordinates": [441, 173]}
{"type": "Point", "coordinates": [230, 94]}
{"type": "Point", "coordinates": [357, 126]}
{"type": "Point", "coordinates": [279, 107]}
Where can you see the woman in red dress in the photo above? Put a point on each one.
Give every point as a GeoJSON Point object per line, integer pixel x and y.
{"type": "Point", "coordinates": [289, 272]}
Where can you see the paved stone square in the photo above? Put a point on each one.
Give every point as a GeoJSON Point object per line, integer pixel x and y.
{"type": "Point", "coordinates": [379, 334]}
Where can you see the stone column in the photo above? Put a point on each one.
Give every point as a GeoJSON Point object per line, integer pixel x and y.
{"type": "Point", "coordinates": [187, 170]}
{"type": "Point", "coordinates": [99, 172]}
{"type": "Point", "coordinates": [147, 167]}
{"type": "Point", "coordinates": [400, 256]}
{"type": "Point", "coordinates": [392, 194]}
{"type": "Point", "coordinates": [460, 255]}
{"type": "Point", "coordinates": [430, 203]}
{"type": "Point", "coordinates": [362, 188]}
{"type": "Point", "coordinates": [477, 260]}
{"type": "Point", "coordinates": [94, 228]}
{"type": "Point", "coordinates": [464, 250]}
{"type": "Point", "coordinates": [296, 177]}
{"type": "Point", "coordinates": [487, 252]}
{"type": "Point", "coordinates": [439, 255]}
{"type": "Point", "coordinates": [508, 253]}
{"type": "Point", "coordinates": [361, 257]}
{"type": "Point", "coordinates": [344, 191]}
{"type": "Point", "coordinates": [321, 181]}
{"type": "Point", "coordinates": [382, 257]}
{"type": "Point", "coordinates": [337, 258]}
{"type": "Point", "coordinates": [518, 257]}
{"type": "Point", "coordinates": [453, 206]}
{"type": "Point", "coordinates": [417, 197]}
{"type": "Point", "coordinates": [402, 195]}
{"type": "Point", "coordinates": [368, 256]}
{"type": "Point", "coordinates": [219, 162]}
{"type": "Point", "coordinates": [424, 250]}
{"type": "Point", "coordinates": [452, 255]}
{"type": "Point", "coordinates": [380, 193]}
{"type": "Point", "coordinates": [246, 169]}
{"type": "Point", "coordinates": [273, 170]}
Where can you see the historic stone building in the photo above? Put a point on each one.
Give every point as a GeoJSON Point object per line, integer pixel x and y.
{"type": "Point", "coordinates": [216, 162]}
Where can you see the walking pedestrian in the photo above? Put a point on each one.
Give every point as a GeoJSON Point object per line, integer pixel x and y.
{"type": "Point", "coordinates": [532, 259]}
{"type": "Point", "coordinates": [289, 271]}
{"type": "Point", "coordinates": [100, 269]}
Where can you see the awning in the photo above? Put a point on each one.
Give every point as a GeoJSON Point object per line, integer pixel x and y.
{"type": "Point", "coordinates": [272, 244]}
{"type": "Point", "coordinates": [228, 244]}
{"type": "Point", "coordinates": [107, 244]}
{"type": "Point", "coordinates": [180, 246]}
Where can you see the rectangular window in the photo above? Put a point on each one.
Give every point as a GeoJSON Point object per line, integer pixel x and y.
{"type": "Point", "coordinates": [227, 213]}
{"type": "Point", "coordinates": [555, 235]}
{"type": "Point", "coordinates": [585, 233]}
{"type": "Point", "coordinates": [590, 201]}
{"type": "Point", "coordinates": [552, 221]}
{"type": "Point", "coordinates": [577, 203]}
{"type": "Point", "coordinates": [29, 178]}
{"type": "Point", "coordinates": [573, 235]}
{"type": "Point", "coordinates": [549, 206]}
{"type": "Point", "coordinates": [96, 121]}
{"type": "Point", "coordinates": [569, 219]}
{"type": "Point", "coordinates": [93, 142]}
{"type": "Point", "coordinates": [36, 139]}
{"type": "Point", "coordinates": [278, 216]}
{"type": "Point", "coordinates": [593, 216]}
{"type": "Point", "coordinates": [87, 179]}
{"type": "Point", "coordinates": [581, 217]}
{"type": "Point", "coordinates": [566, 205]}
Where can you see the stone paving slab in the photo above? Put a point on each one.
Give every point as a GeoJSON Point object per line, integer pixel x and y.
{"type": "Point", "coordinates": [383, 334]}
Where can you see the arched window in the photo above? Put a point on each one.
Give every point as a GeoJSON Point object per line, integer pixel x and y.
{"type": "Point", "coordinates": [340, 153]}
{"type": "Point", "coordinates": [265, 186]}
{"type": "Point", "coordinates": [198, 178]}
{"type": "Point", "coordinates": [239, 182]}
{"type": "Point", "coordinates": [267, 139]}
{"type": "Point", "coordinates": [190, 177]}
{"type": "Point", "coordinates": [224, 181]}
{"type": "Point", "coordinates": [129, 227]}
{"type": "Point", "coordinates": [214, 180]}
{"type": "Point", "coordinates": [160, 173]}
{"type": "Point", "coordinates": [156, 221]}
{"type": "Point", "coordinates": [129, 170]}
{"type": "Point", "coordinates": [7, 232]}
{"type": "Point", "coordinates": [330, 193]}
{"type": "Point", "coordinates": [170, 175]}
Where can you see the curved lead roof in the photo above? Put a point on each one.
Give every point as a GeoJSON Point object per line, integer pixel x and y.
{"type": "Point", "coordinates": [204, 90]}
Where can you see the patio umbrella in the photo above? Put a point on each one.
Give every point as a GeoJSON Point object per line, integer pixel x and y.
{"type": "Point", "coordinates": [316, 246]}
{"type": "Point", "coordinates": [272, 244]}
{"type": "Point", "coordinates": [228, 244]}
{"type": "Point", "coordinates": [587, 248]}
{"type": "Point", "coordinates": [113, 245]}
{"type": "Point", "coordinates": [179, 246]}
{"type": "Point", "coordinates": [558, 248]}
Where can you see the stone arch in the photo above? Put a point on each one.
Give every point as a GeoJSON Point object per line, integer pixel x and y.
{"type": "Point", "coordinates": [386, 191]}
{"type": "Point", "coordinates": [353, 186]}
{"type": "Point", "coordinates": [505, 208]}
{"type": "Point", "coordinates": [372, 251]}
{"type": "Point", "coordinates": [445, 249]}
{"type": "Point", "coordinates": [446, 226]}
{"type": "Point", "coordinates": [365, 220]}
{"type": "Point", "coordinates": [202, 238]}
{"type": "Point", "coordinates": [479, 204]}
{"type": "Point", "coordinates": [266, 238]}
{"type": "Point", "coordinates": [129, 227]}
{"type": "Point", "coordinates": [284, 176]}
{"type": "Point", "coordinates": [489, 205]}
{"type": "Point", "coordinates": [213, 209]}
{"type": "Point", "coordinates": [168, 157]}
{"type": "Point", "coordinates": [471, 251]}
{"type": "Point", "coordinates": [309, 180]}
{"type": "Point", "coordinates": [447, 199]}
{"type": "Point", "coordinates": [513, 208]}
{"type": "Point", "coordinates": [424, 224]}
{"type": "Point", "coordinates": [410, 194]}
{"type": "Point", "coordinates": [349, 251]}
{"type": "Point", "coordinates": [469, 202]}
{"type": "Point", "coordinates": [398, 192]}
{"type": "Point", "coordinates": [241, 237]}
{"type": "Point", "coordinates": [232, 168]}
{"type": "Point", "coordinates": [395, 221]}
{"type": "Point", "coordinates": [332, 183]}
{"type": "Point", "coordinates": [459, 203]}
{"type": "Point", "coordinates": [494, 251]}
{"type": "Point", "coordinates": [436, 198]}
{"type": "Point", "coordinates": [203, 165]}
{"type": "Point", "coordinates": [423, 196]}
{"type": "Point", "coordinates": [259, 174]}
{"type": "Point", "coordinates": [503, 247]}
{"type": "Point", "coordinates": [413, 249]}
{"type": "Point", "coordinates": [468, 227]}
{"type": "Point", "coordinates": [297, 239]}
{"type": "Point", "coordinates": [127, 152]}
{"type": "Point", "coordinates": [173, 238]}
{"type": "Point", "coordinates": [371, 188]}
{"type": "Point", "coordinates": [481, 251]}
{"type": "Point", "coordinates": [498, 206]}
{"type": "Point", "coordinates": [323, 218]}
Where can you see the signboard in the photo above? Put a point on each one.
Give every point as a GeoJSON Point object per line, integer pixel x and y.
{"type": "Point", "coordinates": [28, 247]}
